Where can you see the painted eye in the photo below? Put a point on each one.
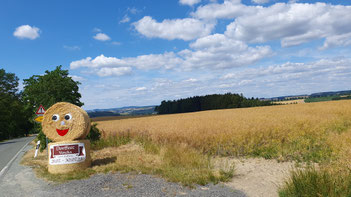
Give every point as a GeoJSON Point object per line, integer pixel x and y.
{"type": "Point", "coordinates": [68, 117]}
{"type": "Point", "coordinates": [55, 117]}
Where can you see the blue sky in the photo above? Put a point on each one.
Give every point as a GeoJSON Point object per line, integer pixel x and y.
{"type": "Point", "coordinates": [140, 52]}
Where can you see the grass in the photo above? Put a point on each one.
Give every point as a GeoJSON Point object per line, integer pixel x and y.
{"type": "Point", "coordinates": [301, 132]}
{"type": "Point", "coordinates": [181, 164]}
{"type": "Point", "coordinates": [310, 132]}
{"type": "Point", "coordinates": [311, 182]}
{"type": "Point", "coordinates": [184, 147]}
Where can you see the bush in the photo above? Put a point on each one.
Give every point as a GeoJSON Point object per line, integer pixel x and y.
{"type": "Point", "coordinates": [42, 137]}
{"type": "Point", "coordinates": [94, 134]}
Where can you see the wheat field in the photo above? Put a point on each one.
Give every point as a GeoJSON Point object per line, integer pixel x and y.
{"type": "Point", "coordinates": [304, 132]}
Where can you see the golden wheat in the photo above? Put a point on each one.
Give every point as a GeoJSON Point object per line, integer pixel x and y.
{"type": "Point", "coordinates": [309, 131]}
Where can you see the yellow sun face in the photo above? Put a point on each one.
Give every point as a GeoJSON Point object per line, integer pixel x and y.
{"type": "Point", "coordinates": [65, 121]}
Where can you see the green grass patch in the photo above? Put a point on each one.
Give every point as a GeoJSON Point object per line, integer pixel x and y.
{"type": "Point", "coordinates": [328, 98]}
{"type": "Point", "coordinates": [317, 183]}
{"type": "Point", "coordinates": [112, 141]}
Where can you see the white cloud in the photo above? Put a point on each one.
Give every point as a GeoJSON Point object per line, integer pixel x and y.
{"type": "Point", "coordinates": [292, 23]}
{"type": "Point", "coordinates": [189, 2]}
{"type": "Point", "coordinates": [104, 72]}
{"type": "Point", "coordinates": [219, 52]}
{"type": "Point", "coordinates": [228, 9]}
{"type": "Point", "coordinates": [190, 80]}
{"type": "Point", "coordinates": [77, 78]}
{"type": "Point", "coordinates": [146, 62]}
{"type": "Point", "coordinates": [260, 1]}
{"type": "Point", "coordinates": [99, 61]}
{"type": "Point", "coordinates": [133, 10]}
{"type": "Point", "coordinates": [101, 37]}
{"type": "Point", "coordinates": [71, 48]}
{"type": "Point", "coordinates": [125, 19]}
{"type": "Point", "coordinates": [97, 29]}
{"type": "Point", "coordinates": [337, 40]}
{"type": "Point", "coordinates": [276, 80]}
{"type": "Point", "coordinates": [214, 52]}
{"type": "Point", "coordinates": [140, 88]}
{"type": "Point", "coordinates": [184, 29]}
{"type": "Point", "coordinates": [289, 70]}
{"type": "Point", "coordinates": [26, 31]}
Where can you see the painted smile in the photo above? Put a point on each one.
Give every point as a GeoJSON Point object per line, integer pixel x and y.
{"type": "Point", "coordinates": [62, 132]}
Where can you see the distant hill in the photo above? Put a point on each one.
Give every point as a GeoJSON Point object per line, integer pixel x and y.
{"type": "Point", "coordinates": [305, 96]}
{"type": "Point", "coordinates": [122, 111]}
{"type": "Point", "coordinates": [336, 93]}
{"type": "Point", "coordinates": [146, 110]}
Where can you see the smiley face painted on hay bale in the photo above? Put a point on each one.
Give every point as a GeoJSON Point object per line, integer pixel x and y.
{"type": "Point", "coordinates": [65, 121]}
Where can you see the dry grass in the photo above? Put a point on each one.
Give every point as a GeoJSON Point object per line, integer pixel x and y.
{"type": "Point", "coordinates": [180, 147]}
{"type": "Point", "coordinates": [305, 132]}
{"type": "Point", "coordinates": [178, 164]}
{"type": "Point", "coordinates": [308, 132]}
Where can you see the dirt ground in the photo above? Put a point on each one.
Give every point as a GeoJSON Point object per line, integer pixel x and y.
{"type": "Point", "coordinates": [259, 177]}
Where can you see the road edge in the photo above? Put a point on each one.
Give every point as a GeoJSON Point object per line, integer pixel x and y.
{"type": "Point", "coordinates": [4, 170]}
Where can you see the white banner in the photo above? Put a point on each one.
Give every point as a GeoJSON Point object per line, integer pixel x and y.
{"type": "Point", "coordinates": [67, 153]}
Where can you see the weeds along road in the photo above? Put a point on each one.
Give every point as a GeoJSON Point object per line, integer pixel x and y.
{"type": "Point", "coordinates": [9, 150]}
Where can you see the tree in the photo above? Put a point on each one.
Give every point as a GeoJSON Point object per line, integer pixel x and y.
{"type": "Point", "coordinates": [48, 89]}
{"type": "Point", "coordinates": [14, 116]}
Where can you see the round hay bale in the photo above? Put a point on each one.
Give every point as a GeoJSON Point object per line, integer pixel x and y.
{"type": "Point", "coordinates": [60, 160]}
{"type": "Point", "coordinates": [65, 122]}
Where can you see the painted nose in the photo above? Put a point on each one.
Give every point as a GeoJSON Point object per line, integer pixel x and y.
{"type": "Point", "coordinates": [62, 123]}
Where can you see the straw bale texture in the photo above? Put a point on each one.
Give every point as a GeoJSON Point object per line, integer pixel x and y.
{"type": "Point", "coordinates": [65, 168]}
{"type": "Point", "coordinates": [65, 121]}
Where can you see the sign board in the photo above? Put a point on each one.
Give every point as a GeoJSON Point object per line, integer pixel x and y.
{"type": "Point", "coordinates": [67, 153]}
{"type": "Point", "coordinates": [40, 110]}
{"type": "Point", "coordinates": [39, 119]}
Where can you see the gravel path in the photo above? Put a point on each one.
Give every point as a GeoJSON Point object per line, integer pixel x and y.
{"type": "Point", "coordinates": [20, 181]}
{"type": "Point", "coordinates": [137, 185]}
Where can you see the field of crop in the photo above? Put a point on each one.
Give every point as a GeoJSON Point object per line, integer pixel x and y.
{"type": "Point", "coordinates": [297, 101]}
{"type": "Point", "coordinates": [308, 132]}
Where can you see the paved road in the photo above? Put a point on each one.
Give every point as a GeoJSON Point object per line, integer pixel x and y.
{"type": "Point", "coordinates": [21, 181]}
{"type": "Point", "coordinates": [10, 148]}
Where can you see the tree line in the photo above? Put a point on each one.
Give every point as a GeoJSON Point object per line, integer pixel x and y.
{"type": "Point", "coordinates": [14, 113]}
{"type": "Point", "coordinates": [209, 102]}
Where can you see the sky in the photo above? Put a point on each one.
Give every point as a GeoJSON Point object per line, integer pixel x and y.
{"type": "Point", "coordinates": [140, 52]}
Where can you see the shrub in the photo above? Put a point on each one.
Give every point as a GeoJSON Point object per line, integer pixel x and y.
{"type": "Point", "coordinates": [94, 134]}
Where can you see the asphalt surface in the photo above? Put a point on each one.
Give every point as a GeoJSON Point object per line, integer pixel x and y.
{"type": "Point", "coordinates": [10, 148]}
{"type": "Point", "coordinates": [21, 181]}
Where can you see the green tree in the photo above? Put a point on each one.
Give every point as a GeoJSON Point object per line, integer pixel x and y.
{"type": "Point", "coordinates": [48, 89]}
{"type": "Point", "coordinates": [14, 116]}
